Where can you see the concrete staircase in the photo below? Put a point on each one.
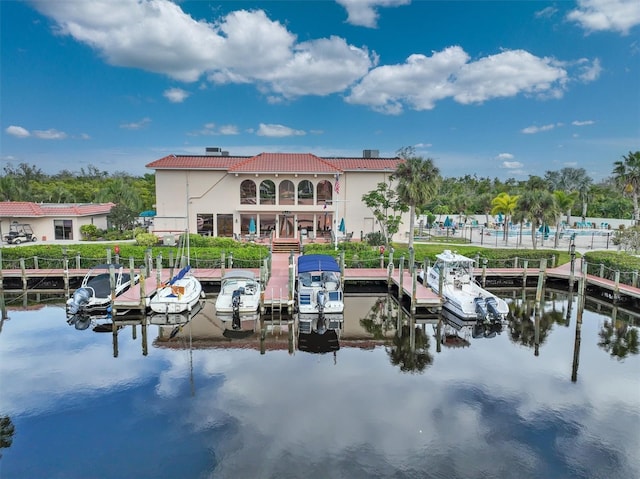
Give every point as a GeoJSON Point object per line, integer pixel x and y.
{"type": "Point", "coordinates": [285, 245]}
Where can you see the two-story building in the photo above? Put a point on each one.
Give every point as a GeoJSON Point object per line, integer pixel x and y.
{"type": "Point", "coordinates": [289, 195]}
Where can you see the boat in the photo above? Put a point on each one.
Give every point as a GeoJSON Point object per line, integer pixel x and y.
{"type": "Point", "coordinates": [180, 294]}
{"type": "Point", "coordinates": [95, 294]}
{"type": "Point", "coordinates": [461, 294]}
{"type": "Point", "coordinates": [239, 294]}
{"type": "Point", "coordinates": [319, 285]}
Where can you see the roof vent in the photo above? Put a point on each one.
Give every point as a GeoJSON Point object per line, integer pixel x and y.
{"type": "Point", "coordinates": [370, 153]}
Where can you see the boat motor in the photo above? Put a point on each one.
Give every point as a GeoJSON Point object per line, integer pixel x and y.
{"type": "Point", "coordinates": [236, 299]}
{"type": "Point", "coordinates": [481, 310]}
{"type": "Point", "coordinates": [492, 306]}
{"type": "Point", "coordinates": [80, 298]}
{"type": "Point", "coordinates": [321, 301]}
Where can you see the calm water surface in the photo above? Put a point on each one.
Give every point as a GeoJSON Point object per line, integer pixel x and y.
{"type": "Point", "coordinates": [200, 404]}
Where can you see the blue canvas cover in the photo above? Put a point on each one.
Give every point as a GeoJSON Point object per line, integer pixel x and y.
{"type": "Point", "coordinates": [180, 274]}
{"type": "Point", "coordinates": [317, 262]}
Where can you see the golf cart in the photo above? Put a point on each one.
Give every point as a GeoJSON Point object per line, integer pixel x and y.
{"type": "Point", "coordinates": [19, 232]}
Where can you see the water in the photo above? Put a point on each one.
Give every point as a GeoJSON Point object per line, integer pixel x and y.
{"type": "Point", "coordinates": [201, 405]}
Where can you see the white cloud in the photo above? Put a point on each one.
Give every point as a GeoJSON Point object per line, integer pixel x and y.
{"type": "Point", "coordinates": [228, 130]}
{"type": "Point", "coordinates": [50, 134]}
{"type": "Point", "coordinates": [512, 165]}
{"type": "Point", "coordinates": [505, 156]}
{"type": "Point", "coordinates": [364, 12]}
{"type": "Point", "coordinates": [176, 95]}
{"type": "Point", "coordinates": [582, 123]}
{"type": "Point", "coordinates": [589, 71]}
{"type": "Point", "coordinates": [211, 129]}
{"type": "Point", "coordinates": [277, 131]}
{"type": "Point", "coordinates": [17, 131]}
{"type": "Point", "coordinates": [606, 15]}
{"type": "Point", "coordinates": [138, 125]}
{"type": "Point", "coordinates": [241, 47]}
{"type": "Point", "coordinates": [421, 81]}
{"type": "Point", "coordinates": [546, 12]}
{"type": "Point", "coordinates": [537, 129]}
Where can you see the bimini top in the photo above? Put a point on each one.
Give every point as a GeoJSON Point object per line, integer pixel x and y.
{"type": "Point", "coordinates": [239, 274]}
{"type": "Point", "coordinates": [317, 262]}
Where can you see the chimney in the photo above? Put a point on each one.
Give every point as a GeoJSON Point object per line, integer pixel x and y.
{"type": "Point", "coordinates": [370, 153]}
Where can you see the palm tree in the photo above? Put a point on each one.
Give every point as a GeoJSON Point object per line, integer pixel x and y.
{"type": "Point", "coordinates": [564, 202]}
{"type": "Point", "coordinates": [506, 204]}
{"type": "Point", "coordinates": [418, 181]}
{"type": "Point", "coordinates": [627, 176]}
{"type": "Point", "coordinates": [540, 207]}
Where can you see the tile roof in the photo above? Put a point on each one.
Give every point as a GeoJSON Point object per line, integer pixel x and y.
{"type": "Point", "coordinates": [29, 209]}
{"type": "Point", "coordinates": [275, 162]}
{"type": "Point", "coordinates": [200, 162]}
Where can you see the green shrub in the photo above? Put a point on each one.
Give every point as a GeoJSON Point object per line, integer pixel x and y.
{"type": "Point", "coordinates": [147, 239]}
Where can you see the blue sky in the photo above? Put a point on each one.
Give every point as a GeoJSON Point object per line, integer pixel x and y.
{"type": "Point", "coordinates": [496, 89]}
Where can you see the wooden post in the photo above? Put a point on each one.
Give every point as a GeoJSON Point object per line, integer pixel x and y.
{"type": "Point", "coordinates": [112, 284]}
{"type": "Point", "coordinates": [3, 307]}
{"type": "Point", "coordinates": [616, 288]}
{"type": "Point", "coordinates": [158, 271]}
{"type": "Point", "coordinates": [515, 262]}
{"type": "Point", "coordinates": [414, 282]}
{"type": "Point", "coordinates": [484, 272]}
{"type": "Point", "coordinates": [78, 262]}
{"type": "Point", "coordinates": [65, 268]}
{"type": "Point", "coordinates": [541, 275]}
{"type": "Point", "coordinates": [342, 253]}
{"type": "Point", "coordinates": [411, 260]}
{"type": "Point", "coordinates": [601, 270]}
{"type": "Point", "coordinates": [576, 345]}
{"type": "Point", "coordinates": [525, 265]}
{"type": "Point", "coordinates": [400, 277]}
{"type": "Point", "coordinates": [24, 275]}
{"type": "Point", "coordinates": [35, 262]}
{"type": "Point", "coordinates": [108, 255]}
{"type": "Point", "coordinates": [222, 263]}
{"type": "Point", "coordinates": [143, 292]}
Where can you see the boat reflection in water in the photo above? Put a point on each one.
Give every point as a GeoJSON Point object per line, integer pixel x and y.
{"type": "Point", "coordinates": [319, 333]}
{"type": "Point", "coordinates": [457, 331]}
{"type": "Point", "coordinates": [239, 325]}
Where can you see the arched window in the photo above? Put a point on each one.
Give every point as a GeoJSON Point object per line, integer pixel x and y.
{"type": "Point", "coordinates": [267, 193]}
{"type": "Point", "coordinates": [286, 193]}
{"type": "Point", "coordinates": [305, 193]}
{"type": "Point", "coordinates": [325, 192]}
{"type": "Point", "coordinates": [248, 192]}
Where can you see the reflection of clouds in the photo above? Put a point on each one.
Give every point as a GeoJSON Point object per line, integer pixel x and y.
{"type": "Point", "coordinates": [491, 408]}
{"type": "Point", "coordinates": [45, 361]}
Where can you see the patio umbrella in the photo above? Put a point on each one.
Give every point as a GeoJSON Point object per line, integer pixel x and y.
{"type": "Point", "coordinates": [500, 218]}
{"type": "Point", "coordinates": [447, 222]}
{"type": "Point", "coordinates": [252, 226]}
{"type": "Point", "coordinates": [342, 228]}
{"type": "Point", "coordinates": [147, 214]}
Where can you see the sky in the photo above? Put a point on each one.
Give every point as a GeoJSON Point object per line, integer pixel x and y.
{"type": "Point", "coordinates": [498, 89]}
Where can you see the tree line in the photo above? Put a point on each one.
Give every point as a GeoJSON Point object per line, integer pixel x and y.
{"type": "Point", "coordinates": [417, 186]}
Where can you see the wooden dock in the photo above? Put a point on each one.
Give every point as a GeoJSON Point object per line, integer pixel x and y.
{"type": "Point", "coordinates": [278, 293]}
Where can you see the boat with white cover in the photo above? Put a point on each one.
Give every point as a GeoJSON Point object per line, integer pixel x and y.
{"type": "Point", "coordinates": [180, 294]}
{"type": "Point", "coordinates": [319, 285]}
{"type": "Point", "coordinates": [239, 293]}
{"type": "Point", "coordinates": [461, 294]}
